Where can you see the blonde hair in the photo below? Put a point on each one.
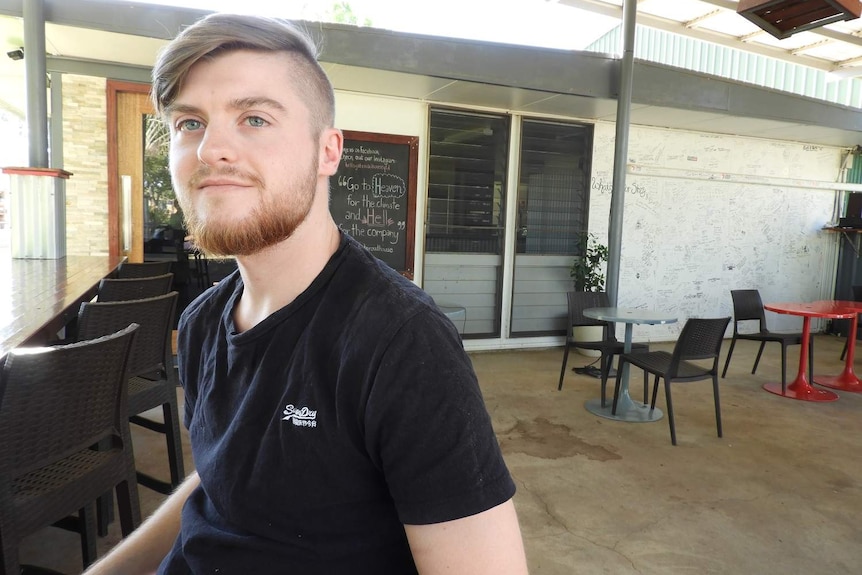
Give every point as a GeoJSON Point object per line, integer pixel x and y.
{"type": "Point", "coordinates": [220, 33]}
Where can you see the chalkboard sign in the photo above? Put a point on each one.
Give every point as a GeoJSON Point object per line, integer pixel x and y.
{"type": "Point", "coordinates": [373, 195]}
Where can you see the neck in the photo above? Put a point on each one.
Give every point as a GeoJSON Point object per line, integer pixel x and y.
{"type": "Point", "coordinates": [274, 277]}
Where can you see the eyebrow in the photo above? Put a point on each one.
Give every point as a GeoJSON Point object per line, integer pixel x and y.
{"type": "Point", "coordinates": [236, 104]}
{"type": "Point", "coordinates": [172, 109]}
{"type": "Point", "coordinates": [256, 102]}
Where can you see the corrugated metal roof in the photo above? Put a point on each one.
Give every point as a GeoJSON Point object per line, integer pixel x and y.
{"type": "Point", "coordinates": [709, 36]}
{"type": "Point", "coordinates": [701, 56]}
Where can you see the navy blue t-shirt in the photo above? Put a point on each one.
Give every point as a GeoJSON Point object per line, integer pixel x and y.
{"type": "Point", "coordinates": [322, 430]}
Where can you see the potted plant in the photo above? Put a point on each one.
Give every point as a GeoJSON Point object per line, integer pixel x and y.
{"type": "Point", "coordinates": [588, 274]}
{"type": "Point", "coordinates": [588, 268]}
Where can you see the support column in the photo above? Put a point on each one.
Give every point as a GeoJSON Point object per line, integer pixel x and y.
{"type": "Point", "coordinates": [37, 83]}
{"type": "Point", "coordinates": [621, 150]}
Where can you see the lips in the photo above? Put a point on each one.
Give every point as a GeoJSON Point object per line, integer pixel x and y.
{"type": "Point", "coordinates": [221, 183]}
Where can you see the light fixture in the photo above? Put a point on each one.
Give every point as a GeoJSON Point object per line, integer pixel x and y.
{"type": "Point", "coordinates": [783, 18]}
{"type": "Point", "coordinates": [17, 54]}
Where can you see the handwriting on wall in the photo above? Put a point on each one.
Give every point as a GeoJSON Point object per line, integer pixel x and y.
{"type": "Point", "coordinates": [691, 234]}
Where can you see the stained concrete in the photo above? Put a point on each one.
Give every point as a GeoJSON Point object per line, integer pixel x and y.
{"type": "Point", "coordinates": [780, 493]}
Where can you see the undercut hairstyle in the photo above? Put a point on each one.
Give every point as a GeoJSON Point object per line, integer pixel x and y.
{"type": "Point", "coordinates": [217, 34]}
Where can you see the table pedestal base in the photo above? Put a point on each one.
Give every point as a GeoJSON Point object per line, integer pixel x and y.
{"type": "Point", "coordinates": [802, 390]}
{"type": "Point", "coordinates": [632, 411]}
{"type": "Point", "coordinates": [845, 382]}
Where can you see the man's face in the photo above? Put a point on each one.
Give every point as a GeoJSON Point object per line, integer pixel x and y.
{"type": "Point", "coordinates": [243, 158]}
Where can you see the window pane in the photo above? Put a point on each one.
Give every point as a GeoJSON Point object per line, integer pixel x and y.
{"type": "Point", "coordinates": [466, 215]}
{"type": "Point", "coordinates": [466, 182]}
{"type": "Point", "coordinates": [553, 202]}
{"type": "Point", "coordinates": [553, 196]}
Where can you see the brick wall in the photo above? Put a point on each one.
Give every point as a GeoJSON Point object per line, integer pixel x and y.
{"type": "Point", "coordinates": [85, 152]}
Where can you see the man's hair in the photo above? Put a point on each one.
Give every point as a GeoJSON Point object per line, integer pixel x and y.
{"type": "Point", "coordinates": [217, 34]}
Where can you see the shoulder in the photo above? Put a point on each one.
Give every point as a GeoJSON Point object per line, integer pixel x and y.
{"type": "Point", "coordinates": [387, 283]}
{"type": "Point", "coordinates": [385, 298]}
{"type": "Point", "coordinates": [211, 303]}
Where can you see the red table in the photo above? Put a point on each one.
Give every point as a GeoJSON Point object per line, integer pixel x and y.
{"type": "Point", "coordinates": [847, 380]}
{"type": "Point", "coordinates": [800, 388]}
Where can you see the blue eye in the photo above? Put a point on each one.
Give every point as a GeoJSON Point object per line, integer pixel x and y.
{"type": "Point", "coordinates": [189, 125]}
{"type": "Point", "coordinates": [256, 122]}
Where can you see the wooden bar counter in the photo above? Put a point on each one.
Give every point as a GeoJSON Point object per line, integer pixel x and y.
{"type": "Point", "coordinates": [39, 297]}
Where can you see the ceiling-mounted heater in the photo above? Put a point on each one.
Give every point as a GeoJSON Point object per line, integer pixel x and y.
{"type": "Point", "coordinates": [783, 18]}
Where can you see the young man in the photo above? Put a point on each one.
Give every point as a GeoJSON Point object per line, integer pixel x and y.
{"type": "Point", "coordinates": [335, 420]}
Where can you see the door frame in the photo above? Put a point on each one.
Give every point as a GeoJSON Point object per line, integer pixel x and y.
{"type": "Point", "coordinates": [113, 90]}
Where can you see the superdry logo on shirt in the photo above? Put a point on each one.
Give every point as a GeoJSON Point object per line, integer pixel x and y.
{"type": "Point", "coordinates": [301, 417]}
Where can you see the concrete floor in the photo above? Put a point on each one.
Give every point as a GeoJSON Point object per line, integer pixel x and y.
{"type": "Point", "coordinates": [780, 493]}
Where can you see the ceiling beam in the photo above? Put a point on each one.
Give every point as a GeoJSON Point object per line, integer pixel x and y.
{"type": "Point", "coordinates": [147, 20]}
{"type": "Point", "coordinates": [99, 69]}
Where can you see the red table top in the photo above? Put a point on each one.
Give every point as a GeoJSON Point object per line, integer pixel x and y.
{"type": "Point", "coordinates": [854, 305]}
{"type": "Point", "coordinates": [826, 308]}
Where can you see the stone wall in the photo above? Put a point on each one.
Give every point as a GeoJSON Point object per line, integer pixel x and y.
{"type": "Point", "coordinates": [85, 152]}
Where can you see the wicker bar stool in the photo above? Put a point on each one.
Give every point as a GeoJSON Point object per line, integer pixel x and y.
{"type": "Point", "coordinates": [134, 288]}
{"type": "Point", "coordinates": [57, 404]}
{"type": "Point", "coordinates": [143, 270]}
{"type": "Point", "coordinates": [152, 379]}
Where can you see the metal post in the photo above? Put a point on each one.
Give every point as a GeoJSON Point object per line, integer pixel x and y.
{"type": "Point", "coordinates": [37, 88]}
{"type": "Point", "coordinates": [621, 147]}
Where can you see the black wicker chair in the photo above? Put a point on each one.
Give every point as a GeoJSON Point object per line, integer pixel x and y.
{"type": "Point", "coordinates": [56, 404]}
{"type": "Point", "coordinates": [608, 346]}
{"type": "Point", "coordinates": [143, 270]}
{"type": "Point", "coordinates": [700, 339]}
{"type": "Point", "coordinates": [153, 380]}
{"type": "Point", "coordinates": [747, 306]}
{"type": "Point", "coordinates": [134, 288]}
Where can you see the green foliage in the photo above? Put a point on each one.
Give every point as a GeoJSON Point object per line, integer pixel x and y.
{"type": "Point", "coordinates": [158, 191]}
{"type": "Point", "coordinates": [342, 13]}
{"type": "Point", "coordinates": [587, 269]}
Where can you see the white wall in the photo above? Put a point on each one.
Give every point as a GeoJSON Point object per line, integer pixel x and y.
{"type": "Point", "coordinates": [366, 113]}
{"type": "Point", "coordinates": [687, 240]}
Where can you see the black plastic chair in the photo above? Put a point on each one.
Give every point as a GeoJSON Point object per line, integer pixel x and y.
{"type": "Point", "coordinates": [152, 378]}
{"type": "Point", "coordinates": [747, 306]}
{"type": "Point", "coordinates": [857, 296]}
{"type": "Point", "coordinates": [608, 346]}
{"type": "Point", "coordinates": [700, 339]}
{"type": "Point", "coordinates": [134, 288]}
{"type": "Point", "coordinates": [56, 404]}
{"type": "Point", "coordinates": [143, 270]}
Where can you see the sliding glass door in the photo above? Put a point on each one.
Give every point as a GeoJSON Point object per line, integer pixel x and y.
{"type": "Point", "coordinates": [466, 227]}
{"type": "Point", "coordinates": [553, 207]}
{"type": "Point", "coordinates": [465, 220]}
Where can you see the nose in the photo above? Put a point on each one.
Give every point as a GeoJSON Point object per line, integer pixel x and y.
{"type": "Point", "coordinates": [216, 146]}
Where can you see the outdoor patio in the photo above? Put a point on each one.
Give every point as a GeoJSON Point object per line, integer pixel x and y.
{"type": "Point", "coordinates": [780, 493]}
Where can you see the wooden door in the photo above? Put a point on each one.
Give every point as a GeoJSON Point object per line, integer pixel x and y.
{"type": "Point", "coordinates": [128, 105]}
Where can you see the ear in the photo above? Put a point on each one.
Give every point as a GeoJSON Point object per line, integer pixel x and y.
{"type": "Point", "coordinates": [331, 145]}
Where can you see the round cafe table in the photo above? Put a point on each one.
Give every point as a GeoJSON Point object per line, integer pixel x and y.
{"type": "Point", "coordinates": [627, 408]}
{"type": "Point", "coordinates": [801, 388]}
{"type": "Point", "coordinates": [847, 380]}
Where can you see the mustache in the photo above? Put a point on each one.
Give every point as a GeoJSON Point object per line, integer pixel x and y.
{"type": "Point", "coordinates": [203, 172]}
